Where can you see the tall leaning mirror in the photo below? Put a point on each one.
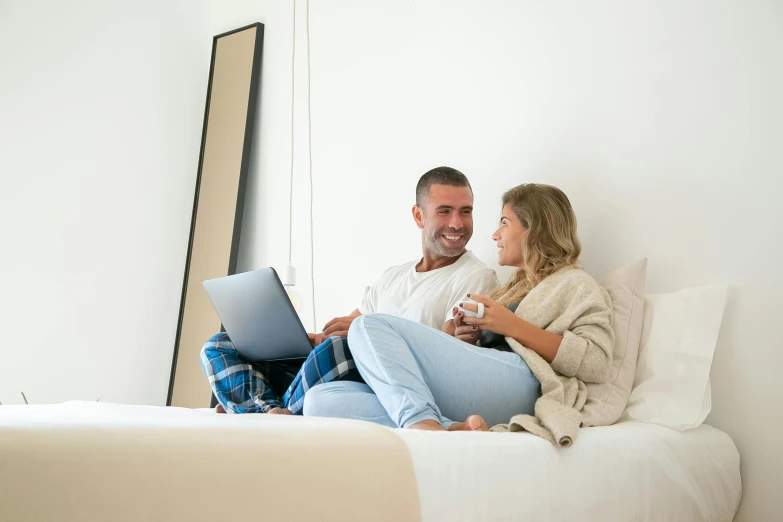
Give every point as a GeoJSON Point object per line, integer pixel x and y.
{"type": "Point", "coordinates": [232, 94]}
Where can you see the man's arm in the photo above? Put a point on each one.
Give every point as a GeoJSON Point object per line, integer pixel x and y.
{"type": "Point", "coordinates": [486, 282]}
{"type": "Point", "coordinates": [449, 327]}
{"type": "Point", "coordinates": [339, 325]}
{"type": "Point", "coordinates": [464, 332]}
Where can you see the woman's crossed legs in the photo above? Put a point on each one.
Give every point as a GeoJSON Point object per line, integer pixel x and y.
{"type": "Point", "coordinates": [421, 378]}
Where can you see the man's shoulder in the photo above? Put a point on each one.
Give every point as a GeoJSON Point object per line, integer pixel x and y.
{"type": "Point", "coordinates": [469, 263]}
{"type": "Point", "coordinates": [475, 275]}
{"type": "Point", "coordinates": [396, 270]}
{"type": "Point", "coordinates": [468, 266]}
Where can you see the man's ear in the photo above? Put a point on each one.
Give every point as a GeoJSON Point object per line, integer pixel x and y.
{"type": "Point", "coordinates": [418, 216]}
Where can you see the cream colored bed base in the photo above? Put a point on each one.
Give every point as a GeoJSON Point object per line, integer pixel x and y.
{"type": "Point", "coordinates": [86, 462]}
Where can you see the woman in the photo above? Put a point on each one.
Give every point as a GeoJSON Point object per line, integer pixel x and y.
{"type": "Point", "coordinates": [417, 377]}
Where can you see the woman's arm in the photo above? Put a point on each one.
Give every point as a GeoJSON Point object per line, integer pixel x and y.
{"type": "Point", "coordinates": [583, 351]}
{"type": "Point", "coordinates": [546, 344]}
{"type": "Point", "coordinates": [499, 319]}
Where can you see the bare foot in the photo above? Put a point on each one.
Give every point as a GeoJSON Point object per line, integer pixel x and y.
{"type": "Point", "coordinates": [472, 423]}
{"type": "Point", "coordinates": [280, 411]}
{"type": "Point", "coordinates": [219, 409]}
{"type": "Point", "coordinates": [428, 425]}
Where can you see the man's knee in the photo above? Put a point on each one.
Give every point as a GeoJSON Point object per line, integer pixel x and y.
{"type": "Point", "coordinates": [219, 341]}
{"type": "Point", "coordinates": [217, 345]}
{"type": "Point", "coordinates": [331, 343]}
{"type": "Point", "coordinates": [219, 338]}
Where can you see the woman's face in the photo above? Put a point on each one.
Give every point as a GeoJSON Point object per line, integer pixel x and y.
{"type": "Point", "coordinates": [509, 237]}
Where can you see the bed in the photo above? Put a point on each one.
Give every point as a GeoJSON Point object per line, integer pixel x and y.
{"type": "Point", "coordinates": [631, 471]}
{"type": "Point", "coordinates": [88, 462]}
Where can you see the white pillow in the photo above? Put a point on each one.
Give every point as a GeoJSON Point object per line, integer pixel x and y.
{"type": "Point", "coordinates": [678, 341]}
{"type": "Point", "coordinates": [606, 402]}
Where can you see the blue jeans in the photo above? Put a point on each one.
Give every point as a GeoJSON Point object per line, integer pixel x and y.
{"type": "Point", "coordinates": [414, 373]}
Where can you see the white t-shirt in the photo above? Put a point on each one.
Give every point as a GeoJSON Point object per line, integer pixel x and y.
{"type": "Point", "coordinates": [428, 297]}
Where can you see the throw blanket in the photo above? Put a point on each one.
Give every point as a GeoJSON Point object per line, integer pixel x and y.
{"type": "Point", "coordinates": [572, 304]}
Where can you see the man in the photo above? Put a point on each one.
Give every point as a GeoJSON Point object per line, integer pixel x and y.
{"type": "Point", "coordinates": [423, 291]}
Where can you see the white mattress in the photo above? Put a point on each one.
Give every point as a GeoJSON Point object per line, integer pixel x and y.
{"type": "Point", "coordinates": [627, 472]}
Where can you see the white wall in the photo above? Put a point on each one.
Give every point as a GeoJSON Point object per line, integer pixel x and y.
{"type": "Point", "coordinates": [101, 108]}
{"type": "Point", "coordinates": [265, 232]}
{"type": "Point", "coordinates": [661, 120]}
{"type": "Point", "coordinates": [101, 112]}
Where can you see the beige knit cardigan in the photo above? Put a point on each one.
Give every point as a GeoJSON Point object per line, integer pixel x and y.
{"type": "Point", "coordinates": [572, 304]}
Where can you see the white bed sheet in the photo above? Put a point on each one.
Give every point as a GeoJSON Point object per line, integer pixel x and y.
{"type": "Point", "coordinates": [627, 472]}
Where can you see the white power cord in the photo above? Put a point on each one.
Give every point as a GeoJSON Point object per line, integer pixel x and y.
{"type": "Point", "coordinates": [310, 158]}
{"type": "Point", "coordinates": [291, 176]}
{"type": "Point", "coordinates": [309, 154]}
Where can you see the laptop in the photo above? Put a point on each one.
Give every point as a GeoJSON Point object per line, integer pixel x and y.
{"type": "Point", "coordinates": [258, 316]}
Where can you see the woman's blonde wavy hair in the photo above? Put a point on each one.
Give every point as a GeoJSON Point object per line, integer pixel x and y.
{"type": "Point", "coordinates": [551, 242]}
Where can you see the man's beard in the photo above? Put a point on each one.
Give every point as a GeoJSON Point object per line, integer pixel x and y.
{"type": "Point", "coordinates": [434, 245]}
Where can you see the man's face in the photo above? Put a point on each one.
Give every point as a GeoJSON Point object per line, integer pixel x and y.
{"type": "Point", "coordinates": [447, 220]}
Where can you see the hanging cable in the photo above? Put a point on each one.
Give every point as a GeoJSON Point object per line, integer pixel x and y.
{"type": "Point", "coordinates": [291, 176]}
{"type": "Point", "coordinates": [310, 158]}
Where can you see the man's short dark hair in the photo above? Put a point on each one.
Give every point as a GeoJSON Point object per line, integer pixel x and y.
{"type": "Point", "coordinates": [439, 176]}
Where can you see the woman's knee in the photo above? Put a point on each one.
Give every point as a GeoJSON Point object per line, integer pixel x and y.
{"type": "Point", "coordinates": [330, 399]}
{"type": "Point", "coordinates": [319, 401]}
{"type": "Point", "coordinates": [354, 331]}
{"type": "Point", "coordinates": [359, 339]}
{"type": "Point", "coordinates": [364, 325]}
{"type": "Point", "coordinates": [368, 328]}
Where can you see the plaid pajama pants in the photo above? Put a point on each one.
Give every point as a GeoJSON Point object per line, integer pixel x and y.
{"type": "Point", "coordinates": [243, 387]}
